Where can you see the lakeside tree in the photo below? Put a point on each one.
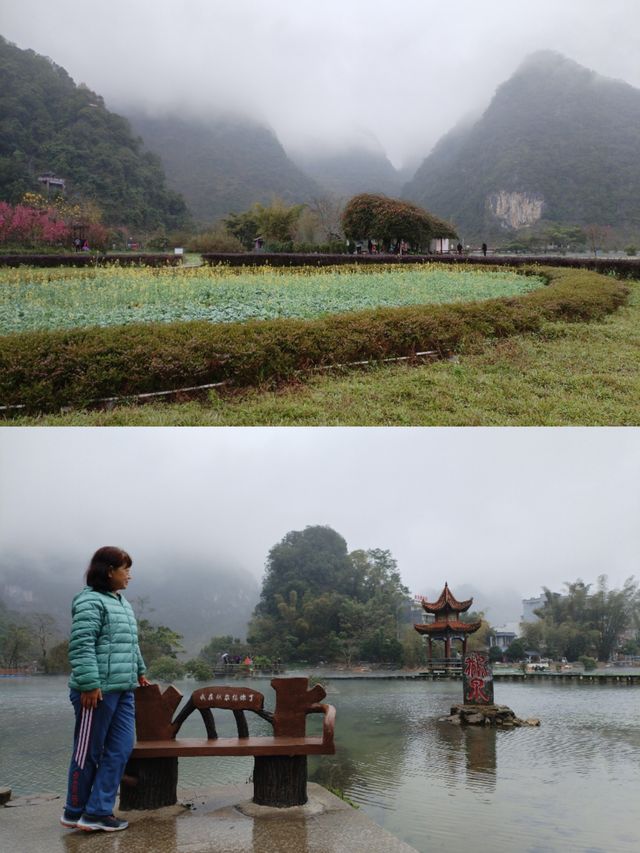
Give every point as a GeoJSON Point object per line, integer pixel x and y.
{"type": "Point", "coordinates": [580, 622]}
{"type": "Point", "coordinates": [516, 651]}
{"type": "Point", "coordinates": [391, 220]}
{"type": "Point", "coordinates": [44, 629]}
{"type": "Point", "coordinates": [318, 602]}
{"type": "Point", "coordinates": [58, 659]}
{"type": "Point", "coordinates": [17, 646]}
{"type": "Point", "coordinates": [165, 668]}
{"type": "Point", "coordinates": [26, 638]}
{"type": "Point", "coordinates": [157, 641]}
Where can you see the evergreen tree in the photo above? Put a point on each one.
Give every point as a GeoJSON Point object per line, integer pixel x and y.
{"type": "Point", "coordinates": [318, 602]}
{"type": "Point", "coordinates": [579, 622]}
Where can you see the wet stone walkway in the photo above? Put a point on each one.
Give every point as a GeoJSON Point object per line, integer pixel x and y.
{"type": "Point", "coordinates": [212, 820]}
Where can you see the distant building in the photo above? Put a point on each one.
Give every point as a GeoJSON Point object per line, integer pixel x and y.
{"type": "Point", "coordinates": [503, 635]}
{"type": "Point", "coordinates": [529, 605]}
{"type": "Point", "coordinates": [411, 611]}
{"type": "Point", "coordinates": [51, 182]}
{"type": "Point", "coordinates": [417, 612]}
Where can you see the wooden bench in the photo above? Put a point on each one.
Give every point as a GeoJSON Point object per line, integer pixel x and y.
{"type": "Point", "coordinates": [280, 760]}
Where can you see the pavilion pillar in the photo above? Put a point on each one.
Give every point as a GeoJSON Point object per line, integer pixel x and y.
{"type": "Point", "coordinates": [430, 649]}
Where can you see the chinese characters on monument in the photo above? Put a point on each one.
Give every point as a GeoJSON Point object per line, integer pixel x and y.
{"type": "Point", "coordinates": [477, 679]}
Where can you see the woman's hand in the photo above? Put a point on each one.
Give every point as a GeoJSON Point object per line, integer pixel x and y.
{"type": "Point", "coordinates": [142, 681]}
{"type": "Point", "coordinates": [90, 698]}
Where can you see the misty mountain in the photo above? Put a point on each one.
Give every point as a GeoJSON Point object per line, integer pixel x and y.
{"type": "Point", "coordinates": [223, 165]}
{"type": "Point", "coordinates": [197, 599]}
{"type": "Point", "coordinates": [50, 125]}
{"type": "Point", "coordinates": [348, 173]}
{"type": "Point", "coordinates": [557, 143]}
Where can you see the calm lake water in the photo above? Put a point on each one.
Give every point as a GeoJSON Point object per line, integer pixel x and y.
{"type": "Point", "coordinates": [571, 785]}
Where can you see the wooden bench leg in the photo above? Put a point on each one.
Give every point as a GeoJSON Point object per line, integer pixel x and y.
{"type": "Point", "coordinates": [280, 780]}
{"type": "Point", "coordinates": [149, 783]}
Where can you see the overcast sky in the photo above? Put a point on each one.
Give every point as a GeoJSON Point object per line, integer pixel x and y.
{"type": "Point", "coordinates": [397, 75]}
{"type": "Point", "coordinates": [495, 508]}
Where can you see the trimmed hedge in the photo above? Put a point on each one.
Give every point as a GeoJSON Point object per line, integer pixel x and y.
{"type": "Point", "coordinates": [47, 370]}
{"type": "Point", "coordinates": [80, 259]}
{"type": "Point", "coordinates": [626, 267]}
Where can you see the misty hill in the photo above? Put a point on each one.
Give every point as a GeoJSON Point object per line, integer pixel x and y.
{"type": "Point", "coordinates": [223, 165]}
{"type": "Point", "coordinates": [348, 173]}
{"type": "Point", "coordinates": [48, 124]}
{"type": "Point", "coordinates": [558, 142]}
{"type": "Point", "coordinates": [198, 599]}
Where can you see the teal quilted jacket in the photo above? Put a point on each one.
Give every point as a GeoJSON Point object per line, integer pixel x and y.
{"type": "Point", "coordinates": [103, 648]}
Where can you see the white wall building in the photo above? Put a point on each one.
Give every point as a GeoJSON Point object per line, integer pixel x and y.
{"type": "Point", "coordinates": [528, 607]}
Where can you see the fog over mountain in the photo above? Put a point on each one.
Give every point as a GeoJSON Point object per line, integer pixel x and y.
{"type": "Point", "coordinates": [198, 596]}
{"type": "Point", "coordinates": [327, 77]}
{"type": "Point", "coordinates": [353, 171]}
{"type": "Point", "coordinates": [223, 165]}
{"type": "Point", "coordinates": [558, 143]}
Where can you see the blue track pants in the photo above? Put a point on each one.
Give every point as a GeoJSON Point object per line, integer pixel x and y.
{"type": "Point", "coordinates": [102, 743]}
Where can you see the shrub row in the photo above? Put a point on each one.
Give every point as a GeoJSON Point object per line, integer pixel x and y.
{"type": "Point", "coordinates": [80, 259]}
{"type": "Point", "coordinates": [625, 267]}
{"type": "Point", "coordinates": [47, 370]}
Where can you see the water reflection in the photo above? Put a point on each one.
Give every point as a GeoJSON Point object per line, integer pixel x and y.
{"type": "Point", "coordinates": [569, 786]}
{"type": "Point", "coordinates": [372, 745]}
{"type": "Point", "coordinates": [473, 747]}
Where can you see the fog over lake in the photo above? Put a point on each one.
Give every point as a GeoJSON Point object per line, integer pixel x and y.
{"type": "Point", "coordinates": [506, 511]}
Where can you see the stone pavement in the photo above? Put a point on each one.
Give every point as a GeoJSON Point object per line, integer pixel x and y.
{"type": "Point", "coordinates": [212, 820]}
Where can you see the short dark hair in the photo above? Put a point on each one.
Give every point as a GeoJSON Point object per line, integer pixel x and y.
{"type": "Point", "coordinates": [103, 561]}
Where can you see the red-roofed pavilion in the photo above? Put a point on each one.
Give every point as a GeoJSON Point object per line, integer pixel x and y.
{"type": "Point", "coordinates": [447, 625]}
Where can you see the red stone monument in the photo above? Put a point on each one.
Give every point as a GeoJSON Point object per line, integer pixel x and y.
{"type": "Point", "coordinates": [477, 679]}
{"type": "Point", "coordinates": [447, 626]}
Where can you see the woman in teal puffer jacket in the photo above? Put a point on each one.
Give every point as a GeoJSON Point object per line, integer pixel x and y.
{"type": "Point", "coordinates": [106, 666]}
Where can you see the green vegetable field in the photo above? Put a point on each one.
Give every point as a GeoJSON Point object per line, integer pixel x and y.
{"type": "Point", "coordinates": [33, 299]}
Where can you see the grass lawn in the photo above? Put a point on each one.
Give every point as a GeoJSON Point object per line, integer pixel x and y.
{"type": "Point", "coordinates": [572, 374]}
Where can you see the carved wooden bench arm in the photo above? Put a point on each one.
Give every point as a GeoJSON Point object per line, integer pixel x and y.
{"type": "Point", "coordinates": [328, 722]}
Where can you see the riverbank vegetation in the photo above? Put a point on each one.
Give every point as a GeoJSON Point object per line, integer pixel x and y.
{"type": "Point", "coordinates": [586, 621]}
